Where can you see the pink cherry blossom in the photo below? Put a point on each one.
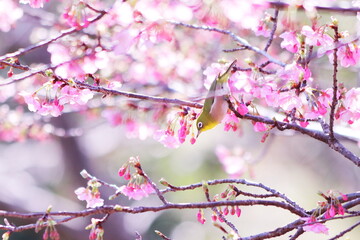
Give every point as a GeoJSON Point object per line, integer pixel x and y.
{"type": "Point", "coordinates": [304, 124]}
{"type": "Point", "coordinates": [9, 14]}
{"type": "Point", "coordinates": [231, 122]}
{"type": "Point", "coordinates": [200, 216]}
{"type": "Point", "coordinates": [77, 16]}
{"type": "Point", "coordinates": [53, 108]}
{"type": "Point", "coordinates": [340, 209]}
{"type": "Point", "coordinates": [288, 100]}
{"type": "Point", "coordinates": [260, 127]}
{"type": "Point", "coordinates": [290, 42]}
{"type": "Point", "coordinates": [348, 55]}
{"type": "Point", "coordinates": [73, 95]}
{"type": "Point", "coordinates": [317, 37]}
{"type": "Point", "coordinates": [330, 212]}
{"type": "Point", "coordinates": [167, 138]}
{"type": "Point", "coordinates": [294, 72]}
{"type": "Point", "coordinates": [183, 131]}
{"type": "Point", "coordinates": [137, 191]}
{"type": "Point", "coordinates": [31, 100]}
{"type": "Point", "coordinates": [242, 109]}
{"type": "Point", "coordinates": [262, 29]}
{"type": "Point", "coordinates": [237, 211]}
{"type": "Point", "coordinates": [43, 107]}
{"type": "Point", "coordinates": [314, 226]}
{"type": "Point", "coordinates": [351, 106]}
{"type": "Point", "coordinates": [34, 3]}
{"type": "Point", "coordinates": [93, 200]}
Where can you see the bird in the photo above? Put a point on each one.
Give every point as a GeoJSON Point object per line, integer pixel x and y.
{"type": "Point", "coordinates": [215, 106]}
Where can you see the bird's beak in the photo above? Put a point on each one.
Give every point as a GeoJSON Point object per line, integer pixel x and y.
{"type": "Point", "coordinates": [198, 133]}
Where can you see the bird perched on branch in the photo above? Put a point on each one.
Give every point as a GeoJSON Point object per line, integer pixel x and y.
{"type": "Point", "coordinates": [215, 105]}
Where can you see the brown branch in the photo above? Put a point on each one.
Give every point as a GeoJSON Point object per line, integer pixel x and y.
{"type": "Point", "coordinates": [48, 41]}
{"type": "Point", "coordinates": [335, 144]}
{"type": "Point", "coordinates": [335, 86]}
{"type": "Point", "coordinates": [272, 33]}
{"type": "Point", "coordinates": [235, 37]}
{"type": "Point", "coordinates": [172, 188]}
{"type": "Point", "coordinates": [345, 231]}
{"type": "Point", "coordinates": [156, 189]}
{"type": "Point", "coordinates": [218, 213]}
{"type": "Point", "coordinates": [277, 232]}
{"type": "Point", "coordinates": [107, 91]}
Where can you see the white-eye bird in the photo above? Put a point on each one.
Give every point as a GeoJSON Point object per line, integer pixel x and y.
{"type": "Point", "coordinates": [215, 105]}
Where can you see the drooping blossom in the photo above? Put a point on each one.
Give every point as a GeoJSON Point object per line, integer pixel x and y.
{"type": "Point", "coordinates": [242, 109]}
{"type": "Point", "coordinates": [231, 122]}
{"type": "Point", "coordinates": [183, 131]}
{"type": "Point", "coordinates": [96, 230]}
{"type": "Point", "coordinates": [167, 138]}
{"type": "Point", "coordinates": [73, 95]}
{"type": "Point", "coordinates": [137, 191]}
{"type": "Point", "coordinates": [43, 107]}
{"type": "Point", "coordinates": [260, 127]}
{"type": "Point", "coordinates": [263, 29]}
{"type": "Point", "coordinates": [313, 226]}
{"type": "Point", "coordinates": [290, 42]}
{"type": "Point", "coordinates": [92, 199]}
{"type": "Point", "coordinates": [77, 16]}
{"type": "Point", "coordinates": [200, 216]}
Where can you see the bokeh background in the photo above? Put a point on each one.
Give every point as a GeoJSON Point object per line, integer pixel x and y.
{"type": "Point", "coordinates": [34, 174]}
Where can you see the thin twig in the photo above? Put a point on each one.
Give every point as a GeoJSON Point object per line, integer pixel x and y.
{"type": "Point", "coordinates": [335, 86]}
{"type": "Point", "coordinates": [345, 231]}
{"type": "Point", "coordinates": [235, 37]}
{"type": "Point", "coordinates": [220, 215]}
{"type": "Point", "coordinates": [48, 41]}
{"type": "Point", "coordinates": [156, 189]}
{"type": "Point", "coordinates": [163, 236]}
{"type": "Point", "coordinates": [239, 181]}
{"type": "Point", "coordinates": [272, 33]}
{"type": "Point", "coordinates": [336, 145]}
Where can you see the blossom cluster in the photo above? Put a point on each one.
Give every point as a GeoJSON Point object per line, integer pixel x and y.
{"type": "Point", "coordinates": [333, 207]}
{"type": "Point", "coordinates": [138, 186]}
{"type": "Point", "coordinates": [54, 106]}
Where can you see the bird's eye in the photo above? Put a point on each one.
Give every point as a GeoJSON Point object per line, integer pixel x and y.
{"type": "Point", "coordinates": [200, 125]}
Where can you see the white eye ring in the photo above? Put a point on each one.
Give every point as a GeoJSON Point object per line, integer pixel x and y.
{"type": "Point", "coordinates": [200, 125]}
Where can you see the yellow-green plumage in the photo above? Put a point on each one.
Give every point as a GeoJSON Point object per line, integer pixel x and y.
{"type": "Point", "coordinates": [215, 105]}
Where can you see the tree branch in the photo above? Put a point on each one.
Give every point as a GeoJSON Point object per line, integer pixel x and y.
{"type": "Point", "coordinates": [273, 30]}
{"type": "Point", "coordinates": [335, 85]}
{"type": "Point", "coordinates": [48, 41]}
{"type": "Point", "coordinates": [236, 38]}
{"type": "Point", "coordinates": [335, 144]}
